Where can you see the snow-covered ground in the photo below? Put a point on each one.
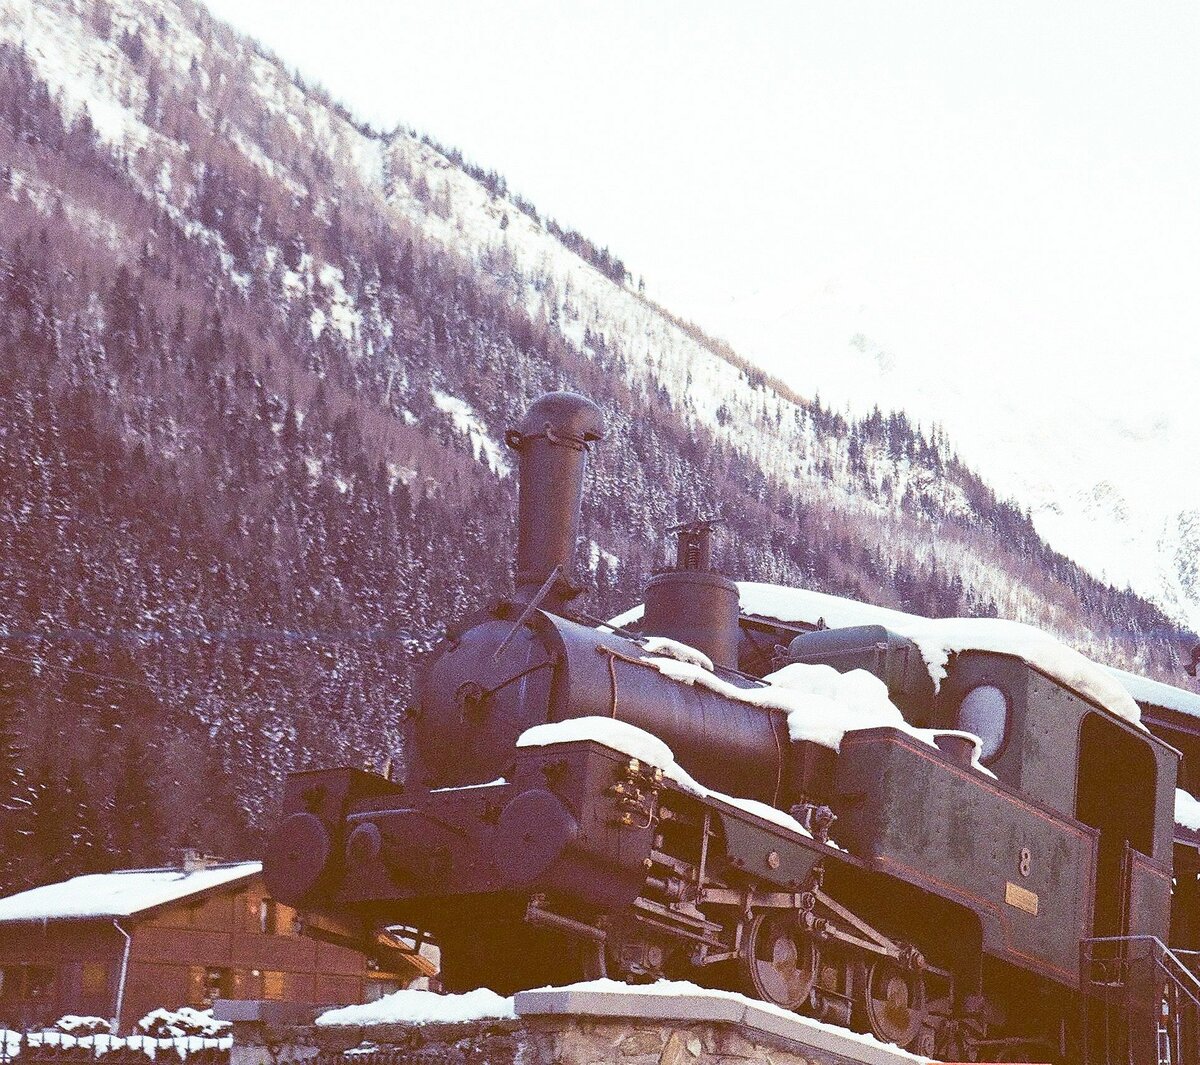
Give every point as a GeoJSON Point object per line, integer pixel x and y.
{"type": "Point", "coordinates": [466, 421]}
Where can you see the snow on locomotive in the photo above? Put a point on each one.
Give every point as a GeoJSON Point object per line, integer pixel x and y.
{"type": "Point", "coordinates": [905, 826]}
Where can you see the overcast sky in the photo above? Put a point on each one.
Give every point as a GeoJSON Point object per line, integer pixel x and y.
{"type": "Point", "coordinates": [966, 183]}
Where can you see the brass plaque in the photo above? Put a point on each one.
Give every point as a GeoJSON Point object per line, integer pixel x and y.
{"type": "Point", "coordinates": [1021, 898]}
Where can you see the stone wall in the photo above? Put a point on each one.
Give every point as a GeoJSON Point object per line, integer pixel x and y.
{"type": "Point", "coordinates": [529, 1041]}
{"type": "Point", "coordinates": [562, 1028]}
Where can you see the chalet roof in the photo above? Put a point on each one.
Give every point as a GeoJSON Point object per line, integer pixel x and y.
{"type": "Point", "coordinates": [120, 894]}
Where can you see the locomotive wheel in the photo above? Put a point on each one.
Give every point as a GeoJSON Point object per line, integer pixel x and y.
{"type": "Point", "coordinates": [778, 961]}
{"type": "Point", "coordinates": [894, 999]}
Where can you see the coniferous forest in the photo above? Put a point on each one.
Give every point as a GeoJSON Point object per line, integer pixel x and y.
{"type": "Point", "coordinates": [250, 458]}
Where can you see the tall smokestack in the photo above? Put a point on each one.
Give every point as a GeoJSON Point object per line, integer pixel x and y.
{"type": "Point", "coordinates": [552, 439]}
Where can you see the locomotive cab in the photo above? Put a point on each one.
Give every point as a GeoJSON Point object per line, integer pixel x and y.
{"type": "Point", "coordinates": [1106, 784]}
{"type": "Point", "coordinates": [1049, 743]}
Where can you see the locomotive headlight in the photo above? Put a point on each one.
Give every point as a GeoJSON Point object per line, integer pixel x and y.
{"type": "Point", "coordinates": [984, 712]}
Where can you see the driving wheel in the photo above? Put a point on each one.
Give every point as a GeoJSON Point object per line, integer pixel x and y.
{"type": "Point", "coordinates": [779, 961]}
{"type": "Point", "coordinates": [894, 998]}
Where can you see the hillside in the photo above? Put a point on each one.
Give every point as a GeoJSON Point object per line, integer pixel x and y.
{"type": "Point", "coordinates": [1115, 496]}
{"type": "Point", "coordinates": [257, 364]}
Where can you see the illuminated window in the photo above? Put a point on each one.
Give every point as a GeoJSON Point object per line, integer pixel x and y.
{"type": "Point", "coordinates": [984, 712]}
{"type": "Point", "coordinates": [272, 984]}
{"type": "Point", "coordinates": [94, 979]}
{"type": "Point", "coordinates": [274, 919]}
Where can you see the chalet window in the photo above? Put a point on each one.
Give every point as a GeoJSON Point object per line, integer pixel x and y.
{"type": "Point", "coordinates": [272, 984]}
{"type": "Point", "coordinates": [26, 981]}
{"type": "Point", "coordinates": [218, 983]}
{"type": "Point", "coordinates": [274, 919]}
{"type": "Point", "coordinates": [41, 980]}
{"type": "Point", "coordinates": [285, 921]}
{"type": "Point", "coordinates": [93, 980]}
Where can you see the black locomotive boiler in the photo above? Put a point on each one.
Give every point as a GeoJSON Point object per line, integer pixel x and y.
{"type": "Point", "coordinates": [949, 914]}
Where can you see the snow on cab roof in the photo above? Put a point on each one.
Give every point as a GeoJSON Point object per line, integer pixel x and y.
{"type": "Point", "coordinates": [120, 894]}
{"type": "Point", "coordinates": [1145, 690]}
{"type": "Point", "coordinates": [939, 638]}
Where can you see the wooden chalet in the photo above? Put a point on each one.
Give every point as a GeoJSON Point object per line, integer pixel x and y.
{"type": "Point", "coordinates": [118, 945]}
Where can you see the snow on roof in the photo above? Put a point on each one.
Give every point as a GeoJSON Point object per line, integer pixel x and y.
{"type": "Point", "coordinates": [1187, 810]}
{"type": "Point", "coordinates": [797, 605]}
{"type": "Point", "coordinates": [1145, 690]}
{"type": "Point", "coordinates": [939, 638]}
{"type": "Point", "coordinates": [120, 894]}
{"type": "Point", "coordinates": [801, 605]}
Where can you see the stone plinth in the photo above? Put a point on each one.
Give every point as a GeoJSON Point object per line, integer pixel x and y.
{"type": "Point", "coordinates": [568, 1027]}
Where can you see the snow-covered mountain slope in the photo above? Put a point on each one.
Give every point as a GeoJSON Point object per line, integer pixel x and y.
{"type": "Point", "coordinates": [593, 310]}
{"type": "Point", "coordinates": [427, 190]}
{"type": "Point", "coordinates": [1109, 487]}
{"type": "Point", "coordinates": [1098, 451]}
{"type": "Point", "coordinates": [247, 121]}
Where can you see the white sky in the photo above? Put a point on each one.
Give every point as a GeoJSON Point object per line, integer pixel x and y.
{"type": "Point", "coordinates": [1002, 197]}
{"type": "Point", "coordinates": [1013, 181]}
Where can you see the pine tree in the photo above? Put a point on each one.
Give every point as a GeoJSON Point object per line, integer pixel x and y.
{"type": "Point", "coordinates": [13, 788]}
{"type": "Point", "coordinates": [87, 851]}
{"type": "Point", "coordinates": [14, 797]}
{"type": "Point", "coordinates": [49, 848]}
{"type": "Point", "coordinates": [136, 822]}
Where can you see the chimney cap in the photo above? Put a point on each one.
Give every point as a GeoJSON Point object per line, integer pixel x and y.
{"type": "Point", "coordinates": [561, 417]}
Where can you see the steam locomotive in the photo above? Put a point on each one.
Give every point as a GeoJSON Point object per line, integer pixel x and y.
{"type": "Point", "coordinates": [935, 894]}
